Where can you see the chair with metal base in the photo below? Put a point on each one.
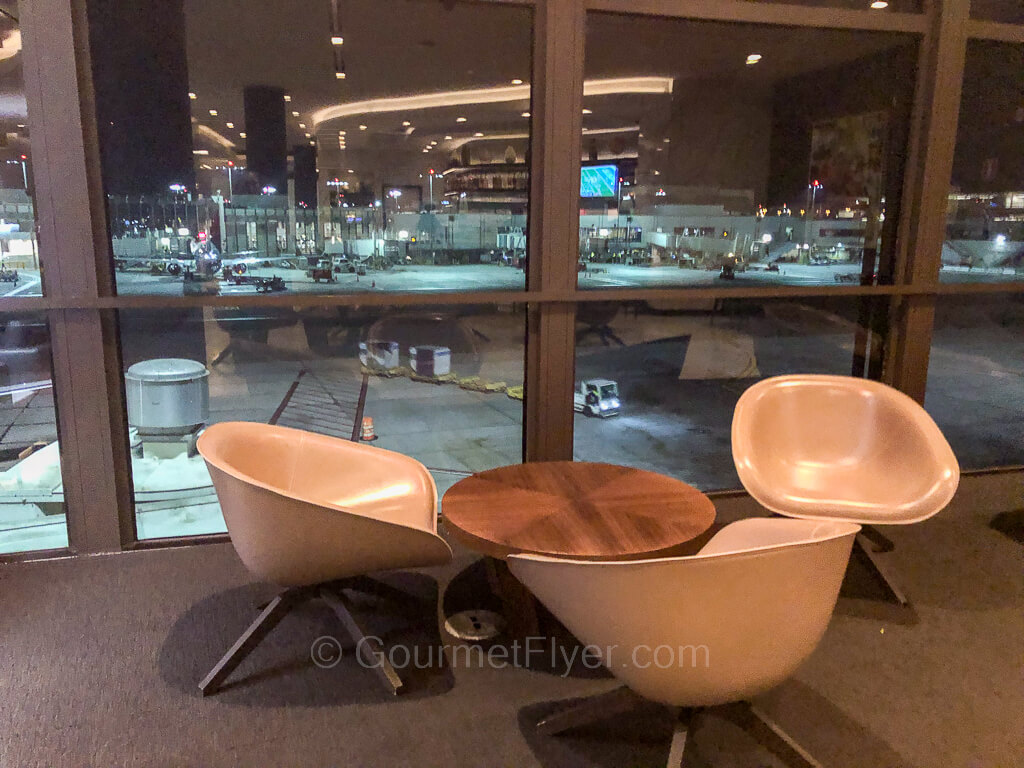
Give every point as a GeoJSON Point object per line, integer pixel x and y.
{"type": "Point", "coordinates": [841, 448]}
{"type": "Point", "coordinates": [711, 630]}
{"type": "Point", "coordinates": [315, 515]}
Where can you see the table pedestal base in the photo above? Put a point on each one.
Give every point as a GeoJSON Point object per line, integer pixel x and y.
{"type": "Point", "coordinates": [519, 604]}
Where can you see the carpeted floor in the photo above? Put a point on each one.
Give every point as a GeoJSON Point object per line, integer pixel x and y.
{"type": "Point", "coordinates": [101, 657]}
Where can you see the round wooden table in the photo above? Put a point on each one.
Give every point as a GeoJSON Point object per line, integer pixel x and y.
{"type": "Point", "coordinates": [580, 510]}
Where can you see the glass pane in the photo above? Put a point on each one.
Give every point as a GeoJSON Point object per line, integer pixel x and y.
{"type": "Point", "coordinates": [310, 151]}
{"type": "Point", "coordinates": [443, 385]}
{"type": "Point", "coordinates": [19, 251]}
{"type": "Point", "coordinates": [664, 378]}
{"type": "Point", "coordinates": [1006, 11]}
{"type": "Point", "coordinates": [985, 219]}
{"type": "Point", "coordinates": [740, 155]}
{"type": "Point", "coordinates": [31, 489]}
{"type": "Point", "coordinates": [976, 378]}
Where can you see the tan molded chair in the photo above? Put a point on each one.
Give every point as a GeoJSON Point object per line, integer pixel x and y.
{"type": "Point", "coordinates": [842, 448]}
{"type": "Point", "coordinates": [717, 628]}
{"type": "Point", "coordinates": [315, 514]}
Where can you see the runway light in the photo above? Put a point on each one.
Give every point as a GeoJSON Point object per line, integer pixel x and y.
{"type": "Point", "coordinates": [753, 59]}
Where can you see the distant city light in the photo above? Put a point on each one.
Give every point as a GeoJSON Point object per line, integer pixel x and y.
{"type": "Point", "coordinates": [395, 193]}
{"type": "Point", "coordinates": [766, 238]}
{"type": "Point", "coordinates": [269, 190]}
{"type": "Point", "coordinates": [177, 187]}
{"type": "Point", "coordinates": [1000, 239]}
{"type": "Point", "coordinates": [753, 59]}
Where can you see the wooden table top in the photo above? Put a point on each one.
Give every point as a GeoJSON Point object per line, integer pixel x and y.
{"type": "Point", "coordinates": [575, 509]}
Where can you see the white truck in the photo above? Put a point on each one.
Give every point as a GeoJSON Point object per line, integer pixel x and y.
{"type": "Point", "coordinates": [597, 397]}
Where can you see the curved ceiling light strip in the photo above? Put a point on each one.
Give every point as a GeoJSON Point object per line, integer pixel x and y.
{"type": "Point", "coordinates": [494, 95]}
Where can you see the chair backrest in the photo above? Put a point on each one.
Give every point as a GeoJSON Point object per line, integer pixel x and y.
{"type": "Point", "coordinates": [303, 508]}
{"type": "Point", "coordinates": [727, 624]}
{"type": "Point", "coordinates": [841, 448]}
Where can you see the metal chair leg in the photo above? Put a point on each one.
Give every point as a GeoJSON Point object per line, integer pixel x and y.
{"type": "Point", "coordinates": [589, 710]}
{"type": "Point", "coordinates": [770, 734]}
{"type": "Point", "coordinates": [368, 647]}
{"type": "Point", "coordinates": [269, 617]}
{"type": "Point", "coordinates": [678, 749]}
{"type": "Point", "coordinates": [862, 547]}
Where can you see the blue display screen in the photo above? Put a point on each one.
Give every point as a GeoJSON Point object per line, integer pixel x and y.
{"type": "Point", "coordinates": [599, 180]}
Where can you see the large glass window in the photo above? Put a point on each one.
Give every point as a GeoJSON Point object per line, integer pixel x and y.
{"type": "Point", "coordinates": [443, 385]}
{"type": "Point", "coordinates": [31, 489]}
{"type": "Point", "coordinates": [739, 155]}
{"type": "Point", "coordinates": [976, 378]}
{"type": "Point", "coordinates": [985, 219]}
{"type": "Point", "coordinates": [656, 383]}
{"type": "Point", "coordinates": [327, 146]}
{"type": "Point", "coordinates": [19, 251]}
{"type": "Point", "coordinates": [1005, 11]}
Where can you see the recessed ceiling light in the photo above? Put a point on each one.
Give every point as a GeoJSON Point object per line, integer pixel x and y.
{"type": "Point", "coordinates": [337, 40]}
{"type": "Point", "coordinates": [587, 111]}
{"type": "Point", "coordinates": [447, 138]}
{"type": "Point", "coordinates": [525, 114]}
{"type": "Point", "coordinates": [879, 5]}
{"type": "Point", "coordinates": [340, 74]}
{"type": "Point", "coordinates": [302, 125]}
{"type": "Point", "coordinates": [460, 119]}
{"type": "Point", "coordinates": [241, 135]}
{"type": "Point", "coordinates": [433, 143]}
{"type": "Point", "coordinates": [287, 97]}
{"type": "Point", "coordinates": [341, 133]}
{"type": "Point", "coordinates": [351, 171]}
{"type": "Point", "coordinates": [667, 141]}
{"type": "Point", "coordinates": [295, 113]}
{"type": "Point", "coordinates": [406, 123]}
{"type": "Point", "coordinates": [230, 125]}
{"type": "Point", "coordinates": [478, 134]}
{"type": "Point", "coordinates": [362, 127]}
{"type": "Point", "coordinates": [312, 143]}
{"type": "Point", "coordinates": [309, 135]}
{"type": "Point", "coordinates": [213, 113]}
{"type": "Point", "coordinates": [753, 58]}
{"type": "Point", "coordinates": [517, 81]}
{"type": "Point", "coordinates": [192, 96]}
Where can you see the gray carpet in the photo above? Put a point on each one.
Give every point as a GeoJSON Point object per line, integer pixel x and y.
{"type": "Point", "coordinates": [101, 656]}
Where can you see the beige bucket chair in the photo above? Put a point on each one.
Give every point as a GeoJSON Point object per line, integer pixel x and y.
{"type": "Point", "coordinates": [315, 514]}
{"type": "Point", "coordinates": [842, 448]}
{"type": "Point", "coordinates": [716, 628]}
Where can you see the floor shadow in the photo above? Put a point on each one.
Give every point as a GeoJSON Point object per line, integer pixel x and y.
{"type": "Point", "coordinates": [1010, 524]}
{"type": "Point", "coordinates": [641, 737]}
{"type": "Point", "coordinates": [281, 672]}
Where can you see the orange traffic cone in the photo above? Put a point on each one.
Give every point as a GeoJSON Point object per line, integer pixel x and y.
{"type": "Point", "coordinates": [368, 433]}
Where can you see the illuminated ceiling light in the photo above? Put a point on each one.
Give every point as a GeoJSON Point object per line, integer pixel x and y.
{"type": "Point", "coordinates": [753, 59]}
{"type": "Point", "coordinates": [312, 143]}
{"type": "Point", "coordinates": [192, 96]}
{"type": "Point", "coordinates": [213, 113]}
{"type": "Point", "coordinates": [433, 143]}
{"type": "Point", "coordinates": [406, 123]}
{"type": "Point", "coordinates": [309, 135]}
{"type": "Point", "coordinates": [341, 133]}
{"type": "Point", "coordinates": [447, 138]}
{"type": "Point", "coordinates": [587, 111]}
{"type": "Point", "coordinates": [475, 96]}
{"type": "Point", "coordinates": [295, 113]}
{"type": "Point", "coordinates": [517, 81]}
{"type": "Point", "coordinates": [200, 151]}
{"type": "Point", "coordinates": [241, 135]}
{"type": "Point", "coordinates": [287, 97]}
{"type": "Point", "coordinates": [879, 5]}
{"type": "Point", "coordinates": [362, 127]}
{"type": "Point", "coordinates": [524, 114]}
{"type": "Point", "coordinates": [477, 134]}
{"type": "Point", "coordinates": [229, 125]}
{"type": "Point", "coordinates": [460, 119]}
{"type": "Point", "coordinates": [340, 74]}
{"type": "Point", "coordinates": [350, 171]}
{"type": "Point", "coordinates": [337, 40]}
{"type": "Point", "coordinates": [302, 125]}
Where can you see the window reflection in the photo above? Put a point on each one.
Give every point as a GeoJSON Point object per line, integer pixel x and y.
{"type": "Point", "coordinates": [31, 488]}
{"type": "Point", "coordinates": [768, 155]}
{"type": "Point", "coordinates": [443, 385]}
{"type": "Point", "coordinates": [985, 217]}
{"type": "Point", "coordinates": [309, 151]}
